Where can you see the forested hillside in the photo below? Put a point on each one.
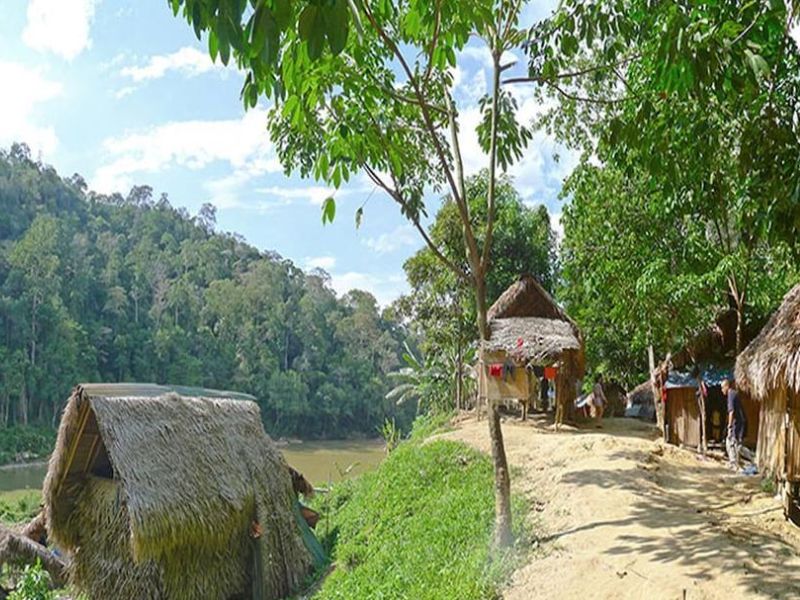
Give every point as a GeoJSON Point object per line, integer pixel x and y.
{"type": "Point", "coordinates": [112, 288]}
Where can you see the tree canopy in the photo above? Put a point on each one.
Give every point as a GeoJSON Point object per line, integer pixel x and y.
{"type": "Point", "coordinates": [112, 288]}
{"type": "Point", "coordinates": [685, 201]}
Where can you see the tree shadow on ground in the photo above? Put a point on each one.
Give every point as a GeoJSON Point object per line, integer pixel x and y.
{"type": "Point", "coordinates": [681, 505]}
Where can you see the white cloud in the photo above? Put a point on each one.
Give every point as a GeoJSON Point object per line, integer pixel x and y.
{"type": "Point", "coordinates": [536, 175]}
{"type": "Point", "coordinates": [386, 289]}
{"type": "Point", "coordinates": [23, 89]}
{"type": "Point", "coordinates": [59, 26]}
{"type": "Point", "coordinates": [401, 236]}
{"type": "Point", "coordinates": [320, 262]}
{"type": "Point", "coordinates": [126, 91]}
{"type": "Point", "coordinates": [187, 60]}
{"type": "Point", "coordinates": [556, 225]}
{"type": "Point", "coordinates": [314, 194]}
{"type": "Point", "coordinates": [484, 56]}
{"type": "Point", "coordinates": [242, 143]}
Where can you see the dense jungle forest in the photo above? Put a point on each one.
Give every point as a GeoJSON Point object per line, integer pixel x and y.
{"type": "Point", "coordinates": [113, 288]}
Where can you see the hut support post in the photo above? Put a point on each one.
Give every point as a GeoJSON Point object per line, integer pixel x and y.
{"type": "Point", "coordinates": [703, 436]}
{"type": "Point", "coordinates": [657, 404]}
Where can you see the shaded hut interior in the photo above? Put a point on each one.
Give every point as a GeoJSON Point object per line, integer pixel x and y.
{"type": "Point", "coordinates": [769, 369]}
{"type": "Point", "coordinates": [152, 492]}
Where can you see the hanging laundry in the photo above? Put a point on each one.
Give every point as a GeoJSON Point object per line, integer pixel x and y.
{"type": "Point", "coordinates": [496, 370]}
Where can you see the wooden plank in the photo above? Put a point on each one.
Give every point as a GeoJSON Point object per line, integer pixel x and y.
{"type": "Point", "coordinates": [82, 419]}
{"type": "Point", "coordinates": [92, 452]}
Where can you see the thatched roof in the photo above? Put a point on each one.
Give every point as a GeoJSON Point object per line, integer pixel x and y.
{"type": "Point", "coordinates": [526, 312]}
{"type": "Point", "coordinates": [189, 473]}
{"type": "Point", "coordinates": [542, 340]}
{"type": "Point", "coordinates": [526, 298]}
{"type": "Point", "coordinates": [772, 359]}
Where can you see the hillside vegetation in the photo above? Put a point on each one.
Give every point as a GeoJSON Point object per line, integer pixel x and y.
{"type": "Point", "coordinates": [112, 288]}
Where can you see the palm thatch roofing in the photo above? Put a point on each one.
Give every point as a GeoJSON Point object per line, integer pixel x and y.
{"type": "Point", "coordinates": [541, 341]}
{"type": "Point", "coordinates": [526, 298]}
{"type": "Point", "coordinates": [772, 359]}
{"type": "Point", "coordinates": [525, 321]}
{"type": "Point", "coordinates": [152, 492]}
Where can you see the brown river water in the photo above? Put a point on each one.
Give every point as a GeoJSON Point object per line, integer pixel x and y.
{"type": "Point", "coordinates": [321, 462]}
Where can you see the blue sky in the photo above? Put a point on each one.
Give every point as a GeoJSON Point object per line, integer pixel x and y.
{"type": "Point", "coordinates": [121, 92]}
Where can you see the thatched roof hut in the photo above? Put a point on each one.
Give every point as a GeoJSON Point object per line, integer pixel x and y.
{"type": "Point", "coordinates": [528, 327]}
{"type": "Point", "coordinates": [526, 312]}
{"type": "Point", "coordinates": [769, 370]}
{"type": "Point", "coordinates": [540, 341]}
{"type": "Point", "coordinates": [772, 359]}
{"type": "Point", "coordinates": [153, 492]}
{"type": "Point", "coordinates": [526, 298]}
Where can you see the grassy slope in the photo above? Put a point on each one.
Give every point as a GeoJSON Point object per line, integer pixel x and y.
{"type": "Point", "coordinates": [19, 506]}
{"type": "Point", "coordinates": [418, 527]}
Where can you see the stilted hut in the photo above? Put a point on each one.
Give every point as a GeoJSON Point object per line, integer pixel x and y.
{"type": "Point", "coordinates": [529, 329]}
{"type": "Point", "coordinates": [158, 492]}
{"type": "Point", "coordinates": [769, 369]}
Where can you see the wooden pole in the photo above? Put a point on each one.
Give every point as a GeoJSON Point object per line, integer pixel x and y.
{"type": "Point", "coordinates": [657, 404]}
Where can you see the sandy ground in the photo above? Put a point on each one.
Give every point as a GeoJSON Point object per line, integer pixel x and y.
{"type": "Point", "coordinates": [618, 515]}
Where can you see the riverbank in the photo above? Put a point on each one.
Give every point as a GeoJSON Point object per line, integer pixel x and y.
{"type": "Point", "coordinates": [620, 515]}
{"type": "Point", "coordinates": [419, 526]}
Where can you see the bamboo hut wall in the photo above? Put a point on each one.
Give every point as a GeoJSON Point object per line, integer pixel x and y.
{"type": "Point", "coordinates": [793, 438]}
{"type": "Point", "coordinates": [683, 416]}
{"type": "Point", "coordinates": [771, 433]}
{"type": "Point", "coordinates": [497, 388]}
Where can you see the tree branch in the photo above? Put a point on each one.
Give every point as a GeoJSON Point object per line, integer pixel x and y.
{"type": "Point", "coordinates": [395, 195]}
{"type": "Point", "coordinates": [460, 202]}
{"type": "Point", "coordinates": [487, 242]}
{"type": "Point", "coordinates": [457, 157]}
{"type": "Point", "coordinates": [434, 41]}
{"type": "Point", "coordinates": [573, 74]}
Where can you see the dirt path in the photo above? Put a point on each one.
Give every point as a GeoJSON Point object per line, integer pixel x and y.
{"type": "Point", "coordinates": [621, 516]}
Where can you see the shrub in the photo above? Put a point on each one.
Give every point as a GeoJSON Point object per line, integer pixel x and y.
{"type": "Point", "coordinates": [25, 443]}
{"type": "Point", "coordinates": [33, 585]}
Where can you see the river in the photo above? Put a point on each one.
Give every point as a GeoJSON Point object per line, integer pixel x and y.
{"type": "Point", "coordinates": [320, 462]}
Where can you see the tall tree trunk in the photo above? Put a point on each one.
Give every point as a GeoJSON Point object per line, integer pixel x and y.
{"type": "Point", "coordinates": [23, 406]}
{"type": "Point", "coordinates": [459, 375]}
{"type": "Point", "coordinates": [739, 326]}
{"type": "Point", "coordinates": [503, 535]}
{"type": "Point", "coordinates": [738, 295]}
{"type": "Point", "coordinates": [34, 308]}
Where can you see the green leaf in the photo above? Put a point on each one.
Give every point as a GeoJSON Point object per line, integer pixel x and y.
{"type": "Point", "coordinates": [266, 36]}
{"type": "Point", "coordinates": [328, 210]}
{"type": "Point", "coordinates": [336, 19]}
{"type": "Point", "coordinates": [213, 45]}
{"type": "Point", "coordinates": [311, 28]}
{"type": "Point", "coordinates": [283, 13]}
{"type": "Point", "coordinates": [359, 216]}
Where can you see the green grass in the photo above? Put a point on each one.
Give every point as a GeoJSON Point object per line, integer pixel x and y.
{"type": "Point", "coordinates": [19, 506]}
{"type": "Point", "coordinates": [418, 527]}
